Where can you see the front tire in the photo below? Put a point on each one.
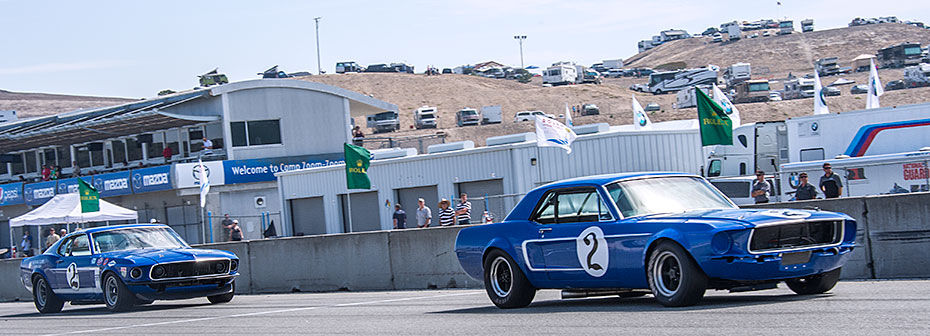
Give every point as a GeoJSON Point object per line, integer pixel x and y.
{"type": "Point", "coordinates": [46, 301]}
{"type": "Point", "coordinates": [674, 278]}
{"type": "Point", "coordinates": [815, 284]}
{"type": "Point", "coordinates": [505, 283]}
{"type": "Point", "coordinates": [223, 298]}
{"type": "Point", "coordinates": [116, 295]}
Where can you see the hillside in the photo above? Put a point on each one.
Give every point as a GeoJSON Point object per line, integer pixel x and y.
{"type": "Point", "coordinates": [28, 105]}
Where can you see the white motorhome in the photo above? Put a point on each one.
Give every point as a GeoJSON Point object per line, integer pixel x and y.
{"type": "Point", "coordinates": [768, 145]}
{"type": "Point", "coordinates": [785, 27]}
{"type": "Point", "coordinates": [798, 88]}
{"type": "Point", "coordinates": [895, 173]}
{"type": "Point", "coordinates": [807, 25]}
{"type": "Point", "coordinates": [736, 73]}
{"type": "Point", "coordinates": [491, 114]}
{"type": "Point", "coordinates": [560, 74]}
{"type": "Point", "coordinates": [732, 29]}
{"type": "Point", "coordinates": [425, 117]}
{"type": "Point", "coordinates": [613, 64]}
{"type": "Point", "coordinates": [688, 97]}
{"type": "Point", "coordinates": [672, 81]}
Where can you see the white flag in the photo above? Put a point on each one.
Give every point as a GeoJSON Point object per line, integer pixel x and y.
{"type": "Point", "coordinates": [728, 107]}
{"type": "Point", "coordinates": [820, 103]}
{"type": "Point", "coordinates": [552, 133]}
{"type": "Point", "coordinates": [204, 183]}
{"type": "Point", "coordinates": [568, 116]}
{"type": "Point", "coordinates": [640, 118]}
{"type": "Point", "coordinates": [875, 87]}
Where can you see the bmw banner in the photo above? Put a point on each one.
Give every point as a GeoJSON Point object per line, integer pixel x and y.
{"type": "Point", "coordinates": [151, 179]}
{"type": "Point", "coordinates": [69, 186]}
{"type": "Point", "coordinates": [38, 193]}
{"type": "Point", "coordinates": [113, 184]}
{"type": "Point", "coordinates": [11, 193]}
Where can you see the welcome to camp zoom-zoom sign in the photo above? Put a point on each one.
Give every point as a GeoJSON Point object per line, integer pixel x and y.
{"type": "Point", "coordinates": [263, 170]}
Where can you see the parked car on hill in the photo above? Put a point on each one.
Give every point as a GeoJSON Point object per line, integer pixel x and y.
{"type": "Point", "coordinates": [831, 91]}
{"type": "Point", "coordinates": [774, 96]}
{"type": "Point", "coordinates": [590, 109]}
{"type": "Point", "coordinates": [895, 85]}
{"type": "Point", "coordinates": [627, 235]}
{"type": "Point", "coordinates": [530, 115]}
{"type": "Point", "coordinates": [652, 107]}
{"type": "Point", "coordinates": [125, 265]}
{"type": "Point", "coordinates": [859, 89]}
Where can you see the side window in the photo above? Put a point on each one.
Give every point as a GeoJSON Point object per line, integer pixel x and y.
{"type": "Point", "coordinates": [572, 206]}
{"type": "Point", "coordinates": [714, 169]}
{"type": "Point", "coordinates": [812, 154]}
{"type": "Point", "coordinates": [546, 210]}
{"type": "Point", "coordinates": [742, 168]}
{"type": "Point", "coordinates": [80, 247]}
{"type": "Point", "coordinates": [64, 247]}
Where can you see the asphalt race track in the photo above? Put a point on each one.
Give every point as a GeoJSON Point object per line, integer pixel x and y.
{"type": "Point", "coordinates": [853, 308]}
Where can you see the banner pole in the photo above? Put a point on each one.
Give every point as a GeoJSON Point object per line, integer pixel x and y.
{"type": "Point", "coordinates": [203, 225]}
{"type": "Point", "coordinates": [349, 206]}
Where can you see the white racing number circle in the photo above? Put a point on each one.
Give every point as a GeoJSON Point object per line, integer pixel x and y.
{"type": "Point", "coordinates": [72, 276]}
{"type": "Point", "coordinates": [790, 214]}
{"type": "Point", "coordinates": [592, 251]}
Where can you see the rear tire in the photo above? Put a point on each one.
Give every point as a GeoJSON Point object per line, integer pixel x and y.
{"type": "Point", "coordinates": [223, 298]}
{"type": "Point", "coordinates": [46, 301]}
{"type": "Point", "coordinates": [674, 278]}
{"type": "Point", "coordinates": [815, 284]}
{"type": "Point", "coordinates": [505, 283]}
{"type": "Point", "coordinates": [116, 295]}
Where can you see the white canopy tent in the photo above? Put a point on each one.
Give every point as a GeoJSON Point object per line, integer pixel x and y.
{"type": "Point", "coordinates": [66, 208]}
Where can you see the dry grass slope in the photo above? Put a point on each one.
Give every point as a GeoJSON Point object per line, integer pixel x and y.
{"type": "Point", "coordinates": [28, 105]}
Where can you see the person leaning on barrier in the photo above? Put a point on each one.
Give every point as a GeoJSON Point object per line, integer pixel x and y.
{"type": "Point", "coordinates": [51, 238]}
{"type": "Point", "coordinates": [235, 234]}
{"type": "Point", "coordinates": [227, 225]}
{"type": "Point", "coordinates": [424, 215]}
{"type": "Point", "coordinates": [446, 215]}
{"type": "Point", "coordinates": [830, 183]}
{"type": "Point", "coordinates": [805, 190]}
{"type": "Point", "coordinates": [761, 189]}
{"type": "Point", "coordinates": [463, 210]}
{"type": "Point", "coordinates": [400, 217]}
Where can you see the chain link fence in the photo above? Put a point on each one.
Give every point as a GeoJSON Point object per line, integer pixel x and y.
{"type": "Point", "coordinates": [252, 226]}
{"type": "Point", "coordinates": [490, 208]}
{"type": "Point", "coordinates": [420, 142]}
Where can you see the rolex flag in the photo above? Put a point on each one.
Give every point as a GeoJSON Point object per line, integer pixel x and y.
{"type": "Point", "coordinates": [90, 198]}
{"type": "Point", "coordinates": [716, 127]}
{"type": "Point", "coordinates": [357, 161]}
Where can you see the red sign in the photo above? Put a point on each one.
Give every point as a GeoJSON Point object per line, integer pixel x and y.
{"type": "Point", "coordinates": [915, 171]}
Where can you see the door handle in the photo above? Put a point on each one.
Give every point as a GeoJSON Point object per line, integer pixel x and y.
{"type": "Point", "coordinates": [59, 261]}
{"type": "Point", "coordinates": [544, 230]}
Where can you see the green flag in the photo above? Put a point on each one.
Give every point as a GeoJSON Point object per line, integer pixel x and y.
{"type": "Point", "coordinates": [90, 198]}
{"type": "Point", "coordinates": [357, 167]}
{"type": "Point", "coordinates": [716, 126]}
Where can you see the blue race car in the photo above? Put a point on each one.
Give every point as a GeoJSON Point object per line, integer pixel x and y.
{"type": "Point", "coordinates": [672, 235]}
{"type": "Point", "coordinates": [125, 265]}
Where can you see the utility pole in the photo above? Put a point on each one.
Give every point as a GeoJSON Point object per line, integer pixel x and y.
{"type": "Point", "coordinates": [319, 63]}
{"type": "Point", "coordinates": [520, 38]}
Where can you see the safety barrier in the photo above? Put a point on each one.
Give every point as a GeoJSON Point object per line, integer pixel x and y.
{"type": "Point", "coordinates": [893, 237]}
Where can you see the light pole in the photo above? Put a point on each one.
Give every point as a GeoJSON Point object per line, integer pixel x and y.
{"type": "Point", "coordinates": [319, 64]}
{"type": "Point", "coordinates": [521, 38]}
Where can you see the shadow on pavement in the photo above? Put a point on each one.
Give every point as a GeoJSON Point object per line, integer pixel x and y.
{"type": "Point", "coordinates": [95, 310]}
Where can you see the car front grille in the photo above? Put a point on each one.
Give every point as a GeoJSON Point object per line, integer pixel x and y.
{"type": "Point", "coordinates": [795, 235]}
{"type": "Point", "coordinates": [191, 269]}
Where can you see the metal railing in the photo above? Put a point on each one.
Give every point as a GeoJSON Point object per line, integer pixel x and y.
{"type": "Point", "coordinates": [420, 142]}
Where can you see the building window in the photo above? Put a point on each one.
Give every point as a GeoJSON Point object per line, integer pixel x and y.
{"type": "Point", "coordinates": [30, 159]}
{"type": "Point", "coordinates": [64, 156]}
{"type": "Point", "coordinates": [255, 133]}
{"type": "Point", "coordinates": [134, 149]}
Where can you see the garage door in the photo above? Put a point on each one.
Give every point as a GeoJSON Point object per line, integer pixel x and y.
{"type": "Point", "coordinates": [478, 192]}
{"type": "Point", "coordinates": [407, 197]}
{"type": "Point", "coordinates": [365, 212]}
{"type": "Point", "coordinates": [307, 216]}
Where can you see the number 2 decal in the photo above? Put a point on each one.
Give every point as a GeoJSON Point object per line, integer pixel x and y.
{"type": "Point", "coordinates": [74, 281]}
{"type": "Point", "coordinates": [592, 251]}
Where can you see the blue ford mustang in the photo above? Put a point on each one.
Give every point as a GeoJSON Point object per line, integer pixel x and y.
{"type": "Point", "coordinates": [125, 265]}
{"type": "Point", "coordinates": [668, 234]}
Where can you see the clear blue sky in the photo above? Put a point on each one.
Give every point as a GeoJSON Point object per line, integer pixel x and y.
{"type": "Point", "coordinates": [137, 48]}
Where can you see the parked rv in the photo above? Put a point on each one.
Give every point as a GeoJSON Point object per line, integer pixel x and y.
{"type": "Point", "coordinates": [798, 88]}
{"type": "Point", "coordinates": [425, 117]}
{"type": "Point", "coordinates": [344, 67]}
{"type": "Point", "coordinates": [807, 25]}
{"type": "Point", "coordinates": [732, 29]}
{"type": "Point", "coordinates": [899, 56]}
{"type": "Point", "coordinates": [736, 73]}
{"type": "Point", "coordinates": [785, 27]}
{"type": "Point", "coordinates": [561, 73]}
{"type": "Point", "coordinates": [827, 66]}
{"type": "Point", "coordinates": [613, 64]}
{"type": "Point", "coordinates": [467, 116]}
{"type": "Point", "coordinates": [688, 97]}
{"type": "Point", "coordinates": [491, 114]}
{"type": "Point", "coordinates": [383, 122]}
{"type": "Point", "coordinates": [672, 81]}
{"type": "Point", "coordinates": [752, 91]}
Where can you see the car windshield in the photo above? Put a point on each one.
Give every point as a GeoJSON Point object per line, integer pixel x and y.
{"type": "Point", "coordinates": [385, 116]}
{"type": "Point", "coordinates": [137, 238]}
{"type": "Point", "coordinates": [758, 87]}
{"type": "Point", "coordinates": [665, 195]}
{"type": "Point", "coordinates": [469, 112]}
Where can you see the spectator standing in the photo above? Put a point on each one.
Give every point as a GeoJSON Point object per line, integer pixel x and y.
{"type": "Point", "coordinates": [463, 210]}
{"type": "Point", "coordinates": [805, 190]}
{"type": "Point", "coordinates": [52, 238]}
{"type": "Point", "coordinates": [227, 225]}
{"type": "Point", "coordinates": [400, 217]}
{"type": "Point", "coordinates": [56, 171]}
{"type": "Point", "coordinates": [26, 245]}
{"type": "Point", "coordinates": [235, 233]}
{"type": "Point", "coordinates": [424, 215]}
{"type": "Point", "coordinates": [63, 233]}
{"type": "Point", "coordinates": [446, 215]}
{"type": "Point", "coordinates": [207, 146]}
{"type": "Point", "coordinates": [167, 153]}
{"type": "Point", "coordinates": [46, 173]}
{"type": "Point", "coordinates": [357, 136]}
{"type": "Point", "coordinates": [830, 183]}
{"type": "Point", "coordinates": [761, 189]}
{"type": "Point", "coordinates": [76, 170]}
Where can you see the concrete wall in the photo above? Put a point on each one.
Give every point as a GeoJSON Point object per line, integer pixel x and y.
{"type": "Point", "coordinates": [11, 288]}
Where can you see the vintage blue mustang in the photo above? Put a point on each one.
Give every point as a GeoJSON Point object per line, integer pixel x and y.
{"type": "Point", "coordinates": [669, 234]}
{"type": "Point", "coordinates": [125, 265]}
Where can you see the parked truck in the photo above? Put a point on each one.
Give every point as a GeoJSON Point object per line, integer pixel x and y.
{"type": "Point", "coordinates": [688, 97]}
{"type": "Point", "coordinates": [492, 114]}
{"type": "Point", "coordinates": [586, 75]}
{"type": "Point", "coordinates": [425, 117]}
{"type": "Point", "coordinates": [467, 116]}
{"type": "Point", "coordinates": [900, 55]}
{"type": "Point", "coordinates": [673, 81]}
{"type": "Point", "coordinates": [798, 88]}
{"type": "Point", "coordinates": [613, 64]}
{"type": "Point", "coordinates": [732, 29]}
{"type": "Point", "coordinates": [736, 73]}
{"type": "Point", "coordinates": [768, 145]}
{"type": "Point", "coordinates": [807, 25]}
{"type": "Point", "coordinates": [827, 66]}
{"type": "Point", "coordinates": [383, 122]}
{"type": "Point", "coordinates": [561, 73]}
{"type": "Point", "coordinates": [917, 75]}
{"type": "Point", "coordinates": [751, 91]}
{"type": "Point", "coordinates": [346, 67]}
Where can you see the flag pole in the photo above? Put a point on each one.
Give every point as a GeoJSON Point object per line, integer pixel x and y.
{"type": "Point", "coordinates": [349, 206]}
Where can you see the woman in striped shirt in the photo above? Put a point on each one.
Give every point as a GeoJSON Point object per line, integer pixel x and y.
{"type": "Point", "coordinates": [446, 214]}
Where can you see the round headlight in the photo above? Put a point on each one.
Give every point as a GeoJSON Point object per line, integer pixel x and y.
{"type": "Point", "coordinates": [234, 265]}
{"type": "Point", "coordinates": [158, 272]}
{"type": "Point", "coordinates": [135, 273]}
{"type": "Point", "coordinates": [219, 267]}
{"type": "Point", "coordinates": [721, 242]}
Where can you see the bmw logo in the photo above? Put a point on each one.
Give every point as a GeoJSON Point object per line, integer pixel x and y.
{"type": "Point", "coordinates": [98, 183]}
{"type": "Point", "coordinates": [823, 101]}
{"type": "Point", "coordinates": [814, 126]}
{"type": "Point", "coordinates": [727, 107]}
{"type": "Point", "coordinates": [794, 180]}
{"type": "Point", "coordinates": [641, 119]}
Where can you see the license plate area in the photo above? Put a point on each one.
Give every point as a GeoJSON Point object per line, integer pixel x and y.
{"type": "Point", "coordinates": [795, 258]}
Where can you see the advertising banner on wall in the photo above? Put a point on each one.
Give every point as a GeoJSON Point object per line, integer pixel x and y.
{"type": "Point", "coordinates": [263, 170]}
{"type": "Point", "coordinates": [188, 174]}
{"type": "Point", "coordinates": [113, 184]}
{"type": "Point", "coordinates": [11, 193]}
{"type": "Point", "coordinates": [69, 186]}
{"type": "Point", "coordinates": [38, 193]}
{"type": "Point", "coordinates": [151, 179]}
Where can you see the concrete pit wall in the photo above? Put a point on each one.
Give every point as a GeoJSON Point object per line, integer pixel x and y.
{"type": "Point", "coordinates": [893, 236]}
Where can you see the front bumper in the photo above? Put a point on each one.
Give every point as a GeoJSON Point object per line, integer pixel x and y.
{"type": "Point", "coordinates": [182, 289]}
{"type": "Point", "coordinates": [769, 266]}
